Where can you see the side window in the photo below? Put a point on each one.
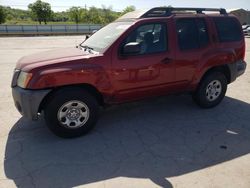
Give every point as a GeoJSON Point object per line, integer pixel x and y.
{"type": "Point", "coordinates": [151, 37]}
{"type": "Point", "coordinates": [203, 33]}
{"type": "Point", "coordinates": [187, 34]}
{"type": "Point", "coordinates": [192, 33]}
{"type": "Point", "coordinates": [228, 29]}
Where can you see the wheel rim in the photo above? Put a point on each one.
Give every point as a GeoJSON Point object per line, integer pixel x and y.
{"type": "Point", "coordinates": [213, 90]}
{"type": "Point", "coordinates": [73, 114]}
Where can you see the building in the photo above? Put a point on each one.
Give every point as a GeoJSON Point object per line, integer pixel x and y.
{"type": "Point", "coordinates": [242, 14]}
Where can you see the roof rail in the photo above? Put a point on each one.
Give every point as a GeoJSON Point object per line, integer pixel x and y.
{"type": "Point", "coordinates": [168, 11]}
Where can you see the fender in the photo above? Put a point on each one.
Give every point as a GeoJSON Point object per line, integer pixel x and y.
{"type": "Point", "coordinates": [71, 73]}
{"type": "Point", "coordinates": [212, 59]}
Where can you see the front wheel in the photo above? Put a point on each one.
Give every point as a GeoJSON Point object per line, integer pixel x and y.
{"type": "Point", "coordinates": [71, 112]}
{"type": "Point", "coordinates": [211, 90]}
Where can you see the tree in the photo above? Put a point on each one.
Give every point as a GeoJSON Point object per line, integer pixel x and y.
{"type": "Point", "coordinates": [2, 15]}
{"type": "Point", "coordinates": [76, 14]}
{"type": "Point", "coordinates": [128, 9]}
{"type": "Point", "coordinates": [16, 14]}
{"type": "Point", "coordinates": [41, 11]}
{"type": "Point", "coordinates": [60, 16]}
{"type": "Point", "coordinates": [94, 15]}
{"type": "Point", "coordinates": [108, 14]}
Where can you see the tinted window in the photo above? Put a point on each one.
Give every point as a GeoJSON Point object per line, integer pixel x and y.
{"type": "Point", "coordinates": [187, 34]}
{"type": "Point", "coordinates": [228, 29]}
{"type": "Point", "coordinates": [151, 37]}
{"type": "Point", "coordinates": [192, 33]}
{"type": "Point", "coordinates": [203, 33]}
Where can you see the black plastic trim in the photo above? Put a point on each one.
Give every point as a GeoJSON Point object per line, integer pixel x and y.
{"type": "Point", "coordinates": [27, 101]}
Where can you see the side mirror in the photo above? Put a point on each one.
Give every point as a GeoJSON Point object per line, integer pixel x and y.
{"type": "Point", "coordinates": [86, 37]}
{"type": "Point", "coordinates": [131, 48]}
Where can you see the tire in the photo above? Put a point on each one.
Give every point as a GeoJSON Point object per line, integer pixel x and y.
{"type": "Point", "coordinates": [211, 90]}
{"type": "Point", "coordinates": [71, 112]}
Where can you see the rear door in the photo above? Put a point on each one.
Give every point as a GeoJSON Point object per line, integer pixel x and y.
{"type": "Point", "coordinates": [192, 42]}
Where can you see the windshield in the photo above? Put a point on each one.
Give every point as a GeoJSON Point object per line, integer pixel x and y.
{"type": "Point", "coordinates": [103, 38]}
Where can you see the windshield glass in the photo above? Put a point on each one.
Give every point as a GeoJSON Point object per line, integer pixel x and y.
{"type": "Point", "coordinates": [103, 38]}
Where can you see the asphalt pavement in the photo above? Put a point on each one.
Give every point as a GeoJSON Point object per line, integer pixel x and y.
{"type": "Point", "coordinates": [164, 142]}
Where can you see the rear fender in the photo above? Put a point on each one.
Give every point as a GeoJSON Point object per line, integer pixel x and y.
{"type": "Point", "coordinates": [212, 60]}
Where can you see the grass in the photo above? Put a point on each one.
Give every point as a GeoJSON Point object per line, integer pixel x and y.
{"type": "Point", "coordinates": [30, 22]}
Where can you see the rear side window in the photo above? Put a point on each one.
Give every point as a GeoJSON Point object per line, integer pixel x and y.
{"type": "Point", "coordinates": [192, 33]}
{"type": "Point", "coordinates": [228, 29]}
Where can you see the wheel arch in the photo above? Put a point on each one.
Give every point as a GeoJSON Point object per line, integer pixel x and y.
{"type": "Point", "coordinates": [88, 87]}
{"type": "Point", "coordinates": [221, 68]}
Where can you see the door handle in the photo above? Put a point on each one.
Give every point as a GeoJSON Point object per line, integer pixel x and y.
{"type": "Point", "coordinates": [166, 60]}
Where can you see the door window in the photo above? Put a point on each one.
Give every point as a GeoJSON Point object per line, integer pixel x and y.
{"type": "Point", "coordinates": [152, 38]}
{"type": "Point", "coordinates": [192, 33]}
{"type": "Point", "coordinates": [228, 29]}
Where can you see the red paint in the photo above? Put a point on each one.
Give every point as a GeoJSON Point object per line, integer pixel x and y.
{"type": "Point", "coordinates": [121, 79]}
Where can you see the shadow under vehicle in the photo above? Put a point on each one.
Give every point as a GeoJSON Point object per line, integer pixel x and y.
{"type": "Point", "coordinates": [154, 139]}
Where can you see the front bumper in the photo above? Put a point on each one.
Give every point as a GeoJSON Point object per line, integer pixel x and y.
{"type": "Point", "coordinates": [27, 102]}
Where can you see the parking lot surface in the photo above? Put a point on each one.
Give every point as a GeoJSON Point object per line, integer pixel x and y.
{"type": "Point", "coordinates": [164, 142]}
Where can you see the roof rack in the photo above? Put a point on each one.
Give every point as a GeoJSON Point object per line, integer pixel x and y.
{"type": "Point", "coordinates": [168, 11]}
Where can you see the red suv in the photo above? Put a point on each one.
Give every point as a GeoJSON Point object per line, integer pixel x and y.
{"type": "Point", "coordinates": [142, 54]}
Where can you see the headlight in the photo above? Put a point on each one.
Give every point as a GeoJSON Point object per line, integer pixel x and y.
{"type": "Point", "coordinates": [23, 79]}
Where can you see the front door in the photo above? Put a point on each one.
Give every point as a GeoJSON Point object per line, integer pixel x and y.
{"type": "Point", "coordinates": [148, 72]}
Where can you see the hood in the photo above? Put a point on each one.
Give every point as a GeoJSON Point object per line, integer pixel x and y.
{"type": "Point", "coordinates": [51, 57]}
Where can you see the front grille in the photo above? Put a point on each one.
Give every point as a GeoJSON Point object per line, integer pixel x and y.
{"type": "Point", "coordinates": [15, 77]}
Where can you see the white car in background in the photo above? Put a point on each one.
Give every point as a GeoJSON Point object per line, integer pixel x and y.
{"type": "Point", "coordinates": [246, 29]}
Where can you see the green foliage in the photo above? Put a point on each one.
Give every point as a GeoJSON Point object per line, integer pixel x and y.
{"type": "Point", "coordinates": [128, 9]}
{"type": "Point", "coordinates": [76, 14]}
{"type": "Point", "coordinates": [2, 15]}
{"type": "Point", "coordinates": [60, 16]}
{"type": "Point", "coordinates": [41, 11]}
{"type": "Point", "coordinates": [94, 16]}
{"type": "Point", "coordinates": [16, 15]}
{"type": "Point", "coordinates": [108, 14]}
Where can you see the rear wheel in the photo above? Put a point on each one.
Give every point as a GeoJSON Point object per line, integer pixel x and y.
{"type": "Point", "coordinates": [211, 90]}
{"type": "Point", "coordinates": [71, 112]}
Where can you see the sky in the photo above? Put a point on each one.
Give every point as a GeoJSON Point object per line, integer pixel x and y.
{"type": "Point", "coordinates": [118, 5]}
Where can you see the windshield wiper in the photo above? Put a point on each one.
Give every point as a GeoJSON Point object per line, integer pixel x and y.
{"type": "Point", "coordinates": [86, 47]}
